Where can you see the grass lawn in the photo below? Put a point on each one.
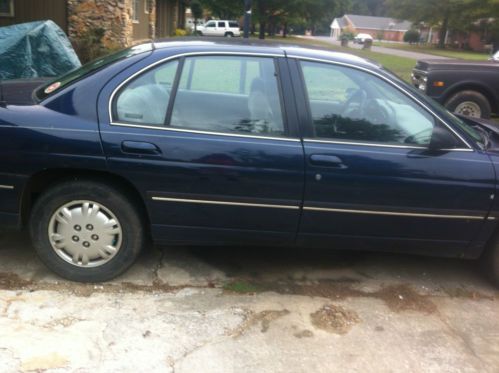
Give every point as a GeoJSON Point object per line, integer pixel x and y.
{"type": "Point", "coordinates": [399, 65]}
{"type": "Point", "coordinates": [463, 55]}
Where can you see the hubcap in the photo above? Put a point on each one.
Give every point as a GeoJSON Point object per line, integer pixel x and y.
{"type": "Point", "coordinates": [469, 108]}
{"type": "Point", "coordinates": [85, 233]}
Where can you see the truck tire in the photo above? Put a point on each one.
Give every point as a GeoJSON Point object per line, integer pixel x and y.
{"type": "Point", "coordinates": [469, 103]}
{"type": "Point", "coordinates": [86, 231]}
{"type": "Point", "coordinates": [229, 35]}
{"type": "Point", "coordinates": [490, 261]}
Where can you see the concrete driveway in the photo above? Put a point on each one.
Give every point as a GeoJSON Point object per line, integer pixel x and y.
{"type": "Point", "coordinates": [249, 310]}
{"type": "Point", "coordinates": [384, 50]}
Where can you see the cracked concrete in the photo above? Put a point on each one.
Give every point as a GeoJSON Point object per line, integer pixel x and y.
{"type": "Point", "coordinates": [246, 309]}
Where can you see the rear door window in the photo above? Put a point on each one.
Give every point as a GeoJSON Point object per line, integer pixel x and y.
{"type": "Point", "coordinates": [234, 94]}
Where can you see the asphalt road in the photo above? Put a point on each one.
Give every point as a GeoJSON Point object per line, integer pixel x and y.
{"type": "Point", "coordinates": [240, 309]}
{"type": "Point", "coordinates": [384, 50]}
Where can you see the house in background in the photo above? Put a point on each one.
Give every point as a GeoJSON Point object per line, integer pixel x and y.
{"type": "Point", "coordinates": [378, 27]}
{"type": "Point", "coordinates": [125, 22]}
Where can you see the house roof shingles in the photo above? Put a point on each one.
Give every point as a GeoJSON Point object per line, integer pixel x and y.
{"type": "Point", "coordinates": [376, 23]}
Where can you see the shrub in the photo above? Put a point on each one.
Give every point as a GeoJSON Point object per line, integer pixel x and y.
{"type": "Point", "coordinates": [412, 36]}
{"type": "Point", "coordinates": [180, 32]}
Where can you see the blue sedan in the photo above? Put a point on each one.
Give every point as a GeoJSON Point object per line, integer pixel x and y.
{"type": "Point", "coordinates": [227, 143]}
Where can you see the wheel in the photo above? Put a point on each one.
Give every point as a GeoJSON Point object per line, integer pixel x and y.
{"type": "Point", "coordinates": [199, 33]}
{"type": "Point", "coordinates": [469, 103]}
{"type": "Point", "coordinates": [490, 261]}
{"type": "Point", "coordinates": [86, 231]}
{"type": "Point", "coordinates": [229, 35]}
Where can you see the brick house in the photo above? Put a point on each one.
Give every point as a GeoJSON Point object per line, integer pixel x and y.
{"type": "Point", "coordinates": [378, 27]}
{"type": "Point", "coordinates": [125, 21]}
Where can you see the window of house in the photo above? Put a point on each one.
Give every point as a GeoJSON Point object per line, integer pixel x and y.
{"type": "Point", "coordinates": [352, 105]}
{"type": "Point", "coordinates": [135, 10]}
{"type": "Point", "coordinates": [145, 99]}
{"type": "Point", "coordinates": [232, 94]}
{"type": "Point", "coordinates": [6, 8]}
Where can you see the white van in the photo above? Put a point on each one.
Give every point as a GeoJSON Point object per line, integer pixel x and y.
{"type": "Point", "coordinates": [228, 29]}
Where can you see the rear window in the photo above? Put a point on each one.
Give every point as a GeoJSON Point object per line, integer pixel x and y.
{"type": "Point", "coordinates": [65, 80]}
{"type": "Point", "coordinates": [233, 24]}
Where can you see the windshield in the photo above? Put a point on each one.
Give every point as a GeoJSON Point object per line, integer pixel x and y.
{"type": "Point", "coordinates": [442, 111]}
{"type": "Point", "coordinates": [63, 81]}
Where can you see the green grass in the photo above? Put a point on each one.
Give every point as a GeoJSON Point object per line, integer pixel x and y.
{"type": "Point", "coordinates": [463, 55]}
{"type": "Point", "coordinates": [401, 66]}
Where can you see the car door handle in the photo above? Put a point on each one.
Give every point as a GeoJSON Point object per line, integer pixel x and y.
{"type": "Point", "coordinates": [139, 147]}
{"type": "Point", "coordinates": [327, 161]}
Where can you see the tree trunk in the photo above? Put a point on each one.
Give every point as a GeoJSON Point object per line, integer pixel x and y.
{"type": "Point", "coordinates": [263, 25]}
{"type": "Point", "coordinates": [443, 32]}
{"type": "Point", "coordinates": [285, 30]}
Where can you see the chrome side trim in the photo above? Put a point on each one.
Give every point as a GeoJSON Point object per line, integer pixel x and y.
{"type": "Point", "coordinates": [7, 187]}
{"type": "Point", "coordinates": [391, 213]}
{"type": "Point", "coordinates": [380, 145]}
{"type": "Point", "coordinates": [389, 82]}
{"type": "Point", "coordinates": [202, 201]}
{"type": "Point", "coordinates": [173, 129]}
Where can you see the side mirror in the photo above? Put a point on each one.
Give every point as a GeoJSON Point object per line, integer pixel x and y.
{"type": "Point", "coordinates": [441, 139]}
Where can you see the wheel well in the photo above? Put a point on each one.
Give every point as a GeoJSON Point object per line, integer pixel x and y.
{"type": "Point", "coordinates": [43, 180]}
{"type": "Point", "coordinates": [477, 88]}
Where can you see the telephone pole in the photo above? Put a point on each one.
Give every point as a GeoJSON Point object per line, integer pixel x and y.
{"type": "Point", "coordinates": [247, 17]}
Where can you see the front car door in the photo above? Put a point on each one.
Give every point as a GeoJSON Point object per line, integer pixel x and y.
{"type": "Point", "coordinates": [371, 179]}
{"type": "Point", "coordinates": [210, 28]}
{"type": "Point", "coordinates": [209, 143]}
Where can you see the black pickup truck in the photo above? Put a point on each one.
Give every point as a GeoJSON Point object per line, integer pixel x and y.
{"type": "Point", "coordinates": [466, 87]}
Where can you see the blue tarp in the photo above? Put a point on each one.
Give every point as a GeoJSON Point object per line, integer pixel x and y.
{"type": "Point", "coordinates": [35, 49]}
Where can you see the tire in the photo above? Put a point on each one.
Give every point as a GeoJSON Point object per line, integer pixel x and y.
{"type": "Point", "coordinates": [469, 102]}
{"type": "Point", "coordinates": [229, 35]}
{"type": "Point", "coordinates": [56, 239]}
{"type": "Point", "coordinates": [490, 262]}
{"type": "Point", "coordinates": [199, 33]}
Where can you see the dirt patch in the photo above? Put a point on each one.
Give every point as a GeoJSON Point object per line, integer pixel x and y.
{"type": "Point", "coordinates": [404, 298]}
{"type": "Point", "coordinates": [264, 318]}
{"type": "Point", "coordinates": [397, 297]}
{"type": "Point", "coordinates": [304, 334]}
{"type": "Point", "coordinates": [470, 294]}
{"type": "Point", "coordinates": [11, 281]}
{"type": "Point", "coordinates": [334, 319]}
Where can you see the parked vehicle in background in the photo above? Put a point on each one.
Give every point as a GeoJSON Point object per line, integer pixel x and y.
{"type": "Point", "coordinates": [227, 143]}
{"type": "Point", "coordinates": [469, 88]}
{"type": "Point", "coordinates": [495, 57]}
{"type": "Point", "coordinates": [228, 29]}
{"type": "Point", "coordinates": [361, 38]}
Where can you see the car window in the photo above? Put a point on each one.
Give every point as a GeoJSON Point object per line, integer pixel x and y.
{"type": "Point", "coordinates": [221, 24]}
{"type": "Point", "coordinates": [235, 94]}
{"type": "Point", "coordinates": [352, 105]}
{"type": "Point", "coordinates": [145, 99]}
{"type": "Point", "coordinates": [210, 24]}
{"type": "Point", "coordinates": [233, 24]}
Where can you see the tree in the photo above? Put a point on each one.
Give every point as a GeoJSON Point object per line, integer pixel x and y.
{"type": "Point", "coordinates": [446, 14]}
{"type": "Point", "coordinates": [224, 9]}
{"type": "Point", "coordinates": [412, 36]}
{"type": "Point", "coordinates": [197, 13]}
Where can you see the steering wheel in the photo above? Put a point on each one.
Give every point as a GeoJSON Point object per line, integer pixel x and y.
{"type": "Point", "coordinates": [354, 107]}
{"type": "Point", "coordinates": [378, 113]}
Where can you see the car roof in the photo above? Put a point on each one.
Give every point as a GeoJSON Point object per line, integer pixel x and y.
{"type": "Point", "coordinates": [203, 44]}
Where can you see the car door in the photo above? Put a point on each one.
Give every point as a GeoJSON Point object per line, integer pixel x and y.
{"type": "Point", "coordinates": [210, 145]}
{"type": "Point", "coordinates": [221, 28]}
{"type": "Point", "coordinates": [371, 179]}
{"type": "Point", "coordinates": [210, 28]}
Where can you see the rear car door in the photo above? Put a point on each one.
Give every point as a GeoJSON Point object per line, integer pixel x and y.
{"type": "Point", "coordinates": [208, 141]}
{"type": "Point", "coordinates": [371, 179]}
